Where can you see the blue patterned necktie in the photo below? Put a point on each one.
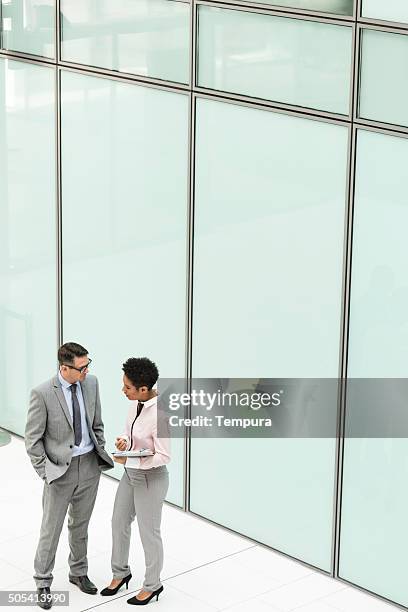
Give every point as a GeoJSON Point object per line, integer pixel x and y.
{"type": "Point", "coordinates": [76, 416]}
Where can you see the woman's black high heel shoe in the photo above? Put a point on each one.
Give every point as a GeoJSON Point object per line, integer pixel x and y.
{"type": "Point", "coordinates": [108, 591]}
{"type": "Point", "coordinates": [134, 601]}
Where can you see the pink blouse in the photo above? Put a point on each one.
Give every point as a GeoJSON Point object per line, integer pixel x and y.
{"type": "Point", "coordinates": [142, 433]}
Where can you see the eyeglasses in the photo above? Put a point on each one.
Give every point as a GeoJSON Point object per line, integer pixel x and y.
{"type": "Point", "coordinates": [81, 369]}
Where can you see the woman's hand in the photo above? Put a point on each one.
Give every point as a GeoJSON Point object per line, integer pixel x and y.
{"type": "Point", "coordinates": [121, 444]}
{"type": "Point", "coordinates": [119, 459]}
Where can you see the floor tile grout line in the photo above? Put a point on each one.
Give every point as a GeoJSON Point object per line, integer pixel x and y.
{"type": "Point", "coordinates": [15, 567]}
{"type": "Point", "coordinates": [321, 599]}
{"type": "Point", "coordinates": [30, 574]}
{"type": "Point", "coordinates": [329, 595]}
{"type": "Point", "coordinates": [19, 537]}
{"type": "Point", "coordinates": [317, 600]}
{"type": "Point", "coordinates": [284, 584]}
{"type": "Point", "coordinates": [220, 559]}
{"type": "Point", "coordinates": [180, 590]}
{"type": "Point", "coordinates": [176, 576]}
{"type": "Point", "coordinates": [260, 595]}
{"type": "Point", "coordinates": [211, 562]}
{"type": "Point", "coordinates": [335, 608]}
{"type": "Point", "coordinates": [236, 553]}
{"type": "Point", "coordinates": [56, 568]}
{"type": "Point", "coordinates": [366, 595]}
{"type": "Point", "coordinates": [250, 599]}
{"type": "Point", "coordinates": [130, 593]}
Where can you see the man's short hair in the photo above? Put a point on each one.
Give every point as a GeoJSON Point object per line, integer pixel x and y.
{"type": "Point", "coordinates": [141, 372]}
{"type": "Point", "coordinates": [68, 351]}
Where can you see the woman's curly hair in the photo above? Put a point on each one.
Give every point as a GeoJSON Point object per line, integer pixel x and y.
{"type": "Point", "coordinates": [141, 371]}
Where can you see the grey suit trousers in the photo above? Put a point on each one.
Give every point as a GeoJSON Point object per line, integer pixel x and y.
{"type": "Point", "coordinates": [75, 491]}
{"type": "Point", "coordinates": [140, 493]}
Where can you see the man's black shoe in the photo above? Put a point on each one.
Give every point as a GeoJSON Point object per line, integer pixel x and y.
{"type": "Point", "coordinates": [44, 599]}
{"type": "Point", "coordinates": [84, 584]}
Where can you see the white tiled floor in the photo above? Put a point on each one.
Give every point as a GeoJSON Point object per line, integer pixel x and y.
{"type": "Point", "coordinates": [206, 568]}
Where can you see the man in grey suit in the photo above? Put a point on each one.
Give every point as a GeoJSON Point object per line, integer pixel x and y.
{"type": "Point", "coordinates": [65, 442]}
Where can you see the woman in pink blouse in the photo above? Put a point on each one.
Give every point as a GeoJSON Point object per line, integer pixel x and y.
{"type": "Point", "coordinates": [144, 484]}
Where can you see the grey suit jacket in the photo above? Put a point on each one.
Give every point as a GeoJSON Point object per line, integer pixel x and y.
{"type": "Point", "coordinates": [49, 433]}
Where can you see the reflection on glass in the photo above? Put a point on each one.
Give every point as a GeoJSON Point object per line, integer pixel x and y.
{"type": "Point", "coordinates": [378, 331]}
{"type": "Point", "coordinates": [27, 236]}
{"type": "Point", "coordinates": [384, 88]}
{"type": "Point", "coordinates": [391, 10]}
{"type": "Point", "coordinates": [124, 233]}
{"type": "Point", "coordinates": [304, 63]}
{"type": "Point", "coordinates": [270, 199]}
{"type": "Point", "coordinates": [29, 26]}
{"type": "Point", "coordinates": [146, 37]}
{"type": "Point", "coordinates": [339, 7]}
{"type": "Point", "coordinates": [5, 438]}
{"type": "Point", "coordinates": [374, 538]}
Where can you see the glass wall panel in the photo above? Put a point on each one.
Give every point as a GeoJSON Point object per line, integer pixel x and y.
{"type": "Point", "coordinates": [374, 538]}
{"type": "Point", "coordinates": [28, 302]}
{"type": "Point", "coordinates": [391, 10]}
{"type": "Point", "coordinates": [298, 62]}
{"type": "Point", "coordinates": [340, 7]}
{"type": "Point", "coordinates": [147, 37]}
{"type": "Point", "coordinates": [269, 201]}
{"type": "Point", "coordinates": [124, 178]}
{"type": "Point", "coordinates": [29, 26]}
{"type": "Point", "coordinates": [384, 88]}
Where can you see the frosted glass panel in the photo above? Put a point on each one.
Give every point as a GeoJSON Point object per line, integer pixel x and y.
{"type": "Point", "coordinates": [374, 538]}
{"type": "Point", "coordinates": [340, 7]}
{"type": "Point", "coordinates": [124, 232]}
{"type": "Point", "coordinates": [391, 10]}
{"type": "Point", "coordinates": [28, 302]}
{"type": "Point", "coordinates": [304, 63]}
{"type": "Point", "coordinates": [373, 525]}
{"type": "Point", "coordinates": [283, 499]}
{"type": "Point", "coordinates": [269, 202]}
{"type": "Point", "coordinates": [29, 26]}
{"type": "Point", "coordinates": [378, 331]}
{"type": "Point", "coordinates": [384, 88]}
{"type": "Point", "coordinates": [146, 37]}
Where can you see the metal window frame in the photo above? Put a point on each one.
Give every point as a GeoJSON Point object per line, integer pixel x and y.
{"type": "Point", "coordinates": [272, 12]}
{"type": "Point", "coordinates": [386, 29]}
{"type": "Point", "coordinates": [370, 20]}
{"type": "Point", "coordinates": [356, 129]}
{"type": "Point", "coordinates": [354, 123]}
{"type": "Point", "coordinates": [296, 11]}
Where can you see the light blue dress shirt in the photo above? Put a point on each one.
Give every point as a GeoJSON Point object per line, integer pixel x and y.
{"type": "Point", "coordinates": [86, 444]}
